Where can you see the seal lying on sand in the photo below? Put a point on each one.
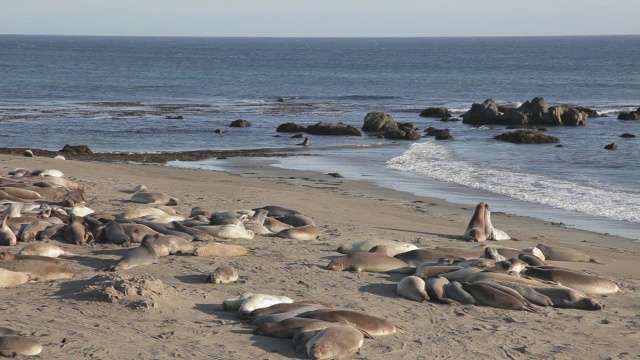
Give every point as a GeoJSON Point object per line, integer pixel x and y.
{"type": "Point", "coordinates": [154, 198]}
{"type": "Point", "coordinates": [19, 345]}
{"type": "Point", "coordinates": [366, 245]}
{"type": "Point", "coordinates": [12, 278]}
{"type": "Point", "coordinates": [7, 237]}
{"type": "Point", "coordinates": [277, 211]}
{"type": "Point", "coordinates": [308, 232]}
{"type": "Point", "coordinates": [76, 233]}
{"type": "Point", "coordinates": [39, 270]}
{"type": "Point", "coordinates": [372, 325]}
{"type": "Point", "coordinates": [497, 296]}
{"type": "Point", "coordinates": [577, 280]}
{"type": "Point", "coordinates": [559, 253]}
{"type": "Point", "coordinates": [412, 288]}
{"type": "Point", "coordinates": [44, 249]}
{"type": "Point", "coordinates": [142, 255]}
{"type": "Point", "coordinates": [491, 232]}
{"type": "Point", "coordinates": [222, 275]}
{"type": "Point", "coordinates": [333, 342]}
{"type": "Point", "coordinates": [258, 301]}
{"type": "Point", "coordinates": [569, 298]}
{"type": "Point", "coordinates": [9, 256]}
{"type": "Point", "coordinates": [369, 262]}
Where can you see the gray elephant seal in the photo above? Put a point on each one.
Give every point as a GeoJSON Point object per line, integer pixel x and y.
{"type": "Point", "coordinates": [334, 342]}
{"type": "Point", "coordinates": [412, 288]}
{"type": "Point", "coordinates": [489, 295]}
{"type": "Point", "coordinates": [7, 237]}
{"type": "Point", "coordinates": [223, 275]}
{"type": "Point", "coordinates": [455, 292]}
{"type": "Point", "coordinates": [13, 278]}
{"type": "Point", "coordinates": [461, 252]}
{"type": "Point", "coordinates": [476, 229]}
{"type": "Point", "coordinates": [142, 255]}
{"type": "Point", "coordinates": [372, 325]}
{"type": "Point", "coordinates": [284, 314]}
{"type": "Point", "coordinates": [114, 233]}
{"type": "Point", "coordinates": [19, 345]}
{"type": "Point", "coordinates": [287, 328]}
{"type": "Point", "coordinates": [8, 332]}
{"type": "Point", "coordinates": [491, 232]}
{"type": "Point", "coordinates": [296, 220]}
{"type": "Point", "coordinates": [396, 247]}
{"type": "Point", "coordinates": [306, 142]}
{"type": "Point", "coordinates": [39, 270]}
{"type": "Point", "coordinates": [369, 262]}
{"type": "Point", "coordinates": [580, 281]}
{"type": "Point", "coordinates": [154, 198]}
{"type": "Point", "coordinates": [284, 307]}
{"type": "Point", "coordinates": [44, 249]}
{"type": "Point", "coordinates": [559, 253]}
{"type": "Point", "coordinates": [417, 257]}
{"type": "Point", "coordinates": [76, 233]}
{"type": "Point", "coordinates": [166, 245]}
{"type": "Point", "coordinates": [436, 270]}
{"type": "Point", "coordinates": [276, 211]}
{"type": "Point", "coordinates": [569, 298]}
{"type": "Point", "coordinates": [9, 256]}
{"type": "Point", "coordinates": [435, 288]}
{"type": "Point", "coordinates": [527, 292]}
{"type": "Point", "coordinates": [531, 260]}
{"type": "Point", "coordinates": [308, 232]}
{"type": "Point", "coordinates": [275, 226]}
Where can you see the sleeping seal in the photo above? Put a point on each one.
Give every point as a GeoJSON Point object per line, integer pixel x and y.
{"type": "Point", "coordinates": [369, 262]}
{"type": "Point", "coordinates": [142, 255]}
{"type": "Point", "coordinates": [559, 253]}
{"type": "Point", "coordinates": [372, 325]}
{"type": "Point", "coordinates": [44, 249]}
{"type": "Point", "coordinates": [412, 288]}
{"type": "Point", "coordinates": [154, 198]}
{"type": "Point", "coordinates": [334, 342]}
{"type": "Point", "coordinates": [366, 245]}
{"type": "Point", "coordinates": [19, 345]}
{"type": "Point", "coordinates": [308, 232]}
{"type": "Point", "coordinates": [577, 280]}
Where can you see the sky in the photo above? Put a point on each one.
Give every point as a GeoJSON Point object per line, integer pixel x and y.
{"type": "Point", "coordinates": [320, 18]}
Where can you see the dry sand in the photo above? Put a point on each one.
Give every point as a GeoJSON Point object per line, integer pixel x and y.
{"type": "Point", "coordinates": [184, 318]}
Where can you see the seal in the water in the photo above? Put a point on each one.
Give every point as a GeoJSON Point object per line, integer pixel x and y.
{"type": "Point", "coordinates": [222, 275]}
{"type": "Point", "coordinates": [334, 342]}
{"type": "Point", "coordinates": [306, 142]}
{"type": "Point", "coordinates": [13, 278]}
{"type": "Point", "coordinates": [19, 345]}
{"type": "Point", "coordinates": [476, 230]}
{"type": "Point", "coordinates": [370, 262]}
{"type": "Point", "coordinates": [154, 198]}
{"type": "Point", "coordinates": [44, 249]}
{"type": "Point", "coordinates": [142, 255]}
{"type": "Point", "coordinates": [577, 280]}
{"type": "Point", "coordinates": [308, 232]}
{"type": "Point", "coordinates": [412, 288]}
{"type": "Point", "coordinates": [7, 237]}
{"type": "Point", "coordinates": [559, 253]}
{"type": "Point", "coordinates": [372, 325]}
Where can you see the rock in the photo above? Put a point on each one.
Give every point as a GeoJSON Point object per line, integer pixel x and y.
{"type": "Point", "coordinates": [574, 117]}
{"type": "Point", "coordinates": [431, 131]}
{"type": "Point", "coordinates": [449, 119]}
{"type": "Point", "coordinates": [28, 153]}
{"type": "Point", "coordinates": [297, 136]}
{"type": "Point", "coordinates": [590, 113]}
{"type": "Point", "coordinates": [542, 129]}
{"type": "Point", "coordinates": [171, 117]}
{"type": "Point", "coordinates": [240, 123]}
{"type": "Point", "coordinates": [612, 146]}
{"type": "Point", "coordinates": [76, 149]}
{"type": "Point", "coordinates": [291, 128]}
{"type": "Point", "coordinates": [378, 121]}
{"type": "Point", "coordinates": [633, 115]}
{"type": "Point", "coordinates": [324, 128]}
{"type": "Point", "coordinates": [399, 134]}
{"type": "Point", "coordinates": [406, 126]}
{"type": "Point", "coordinates": [513, 127]}
{"type": "Point", "coordinates": [443, 134]}
{"type": "Point", "coordinates": [217, 131]}
{"type": "Point", "coordinates": [532, 113]}
{"type": "Point", "coordinates": [436, 112]}
{"type": "Point", "coordinates": [559, 145]}
{"type": "Point", "coordinates": [335, 175]}
{"type": "Point", "coordinates": [627, 135]}
{"type": "Point", "coordinates": [280, 100]}
{"type": "Point", "coordinates": [482, 114]}
{"type": "Point", "coordinates": [526, 137]}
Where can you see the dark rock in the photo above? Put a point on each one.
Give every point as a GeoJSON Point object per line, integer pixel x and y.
{"type": "Point", "coordinates": [76, 149]}
{"type": "Point", "coordinates": [590, 112]}
{"type": "Point", "coordinates": [574, 117]}
{"type": "Point", "coordinates": [526, 137]}
{"type": "Point", "coordinates": [431, 131]}
{"type": "Point", "coordinates": [633, 115]}
{"type": "Point", "coordinates": [399, 134]}
{"type": "Point", "coordinates": [559, 145]}
{"type": "Point", "coordinates": [240, 123]}
{"type": "Point", "coordinates": [297, 136]}
{"type": "Point", "coordinates": [335, 175]}
{"type": "Point", "coordinates": [443, 134]}
{"type": "Point", "coordinates": [291, 128]}
{"type": "Point", "coordinates": [504, 108]}
{"type": "Point", "coordinates": [406, 126]}
{"type": "Point", "coordinates": [542, 129]}
{"type": "Point", "coordinates": [449, 119]}
{"type": "Point", "coordinates": [436, 113]}
{"type": "Point", "coordinates": [277, 135]}
{"type": "Point", "coordinates": [627, 135]}
{"type": "Point", "coordinates": [513, 127]}
{"type": "Point", "coordinates": [378, 122]}
{"type": "Point", "coordinates": [28, 153]}
{"type": "Point", "coordinates": [482, 114]}
{"type": "Point", "coordinates": [324, 128]}
{"type": "Point", "coordinates": [533, 113]}
{"type": "Point", "coordinates": [174, 117]}
{"type": "Point", "coordinates": [280, 100]}
{"type": "Point", "coordinates": [217, 131]}
{"type": "Point", "coordinates": [612, 146]}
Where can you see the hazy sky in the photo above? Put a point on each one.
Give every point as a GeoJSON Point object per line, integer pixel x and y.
{"type": "Point", "coordinates": [299, 18]}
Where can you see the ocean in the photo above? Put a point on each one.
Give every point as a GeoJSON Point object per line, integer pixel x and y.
{"type": "Point", "coordinates": [114, 94]}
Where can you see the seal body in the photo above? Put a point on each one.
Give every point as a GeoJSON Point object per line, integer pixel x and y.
{"type": "Point", "coordinates": [114, 232]}
{"type": "Point", "coordinates": [43, 249]}
{"type": "Point", "coordinates": [227, 231]}
{"type": "Point", "coordinates": [7, 237]}
{"type": "Point", "coordinates": [476, 229]}
{"type": "Point", "coordinates": [577, 280]}
{"type": "Point", "coordinates": [287, 328]}
{"type": "Point", "coordinates": [560, 253]}
{"type": "Point", "coordinates": [220, 250]}
{"type": "Point", "coordinates": [395, 247]}
{"type": "Point", "coordinates": [166, 245]}
{"type": "Point", "coordinates": [412, 288]}
{"type": "Point", "coordinates": [491, 232]}
{"type": "Point", "coordinates": [223, 274]}
{"type": "Point", "coordinates": [455, 292]}
{"type": "Point", "coordinates": [419, 256]}
{"type": "Point", "coordinates": [563, 297]}
{"type": "Point", "coordinates": [307, 232]}
{"type": "Point", "coordinates": [370, 262]}
{"type": "Point", "coordinates": [277, 211]}
{"type": "Point", "coordinates": [13, 278]}
{"type": "Point", "coordinates": [333, 342]}
{"type": "Point", "coordinates": [9, 256]}
{"type": "Point", "coordinates": [297, 220]}
{"type": "Point", "coordinates": [435, 288]}
{"type": "Point", "coordinates": [75, 232]}
{"type": "Point", "coordinates": [257, 301]}
{"type": "Point", "coordinates": [154, 198]}
{"type": "Point", "coordinates": [372, 325]}
{"type": "Point", "coordinates": [489, 295]}
{"type": "Point", "coordinates": [19, 345]}
{"type": "Point", "coordinates": [39, 270]}
{"type": "Point", "coordinates": [142, 255]}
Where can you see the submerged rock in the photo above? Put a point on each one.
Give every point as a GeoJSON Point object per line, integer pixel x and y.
{"type": "Point", "coordinates": [527, 137]}
{"type": "Point", "coordinates": [340, 129]}
{"type": "Point", "coordinates": [632, 115]}
{"type": "Point", "coordinates": [627, 135]}
{"type": "Point", "coordinates": [436, 112]}
{"type": "Point", "coordinates": [240, 123]}
{"type": "Point", "coordinates": [291, 128]}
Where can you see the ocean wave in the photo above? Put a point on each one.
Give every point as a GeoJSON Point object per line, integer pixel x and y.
{"type": "Point", "coordinates": [436, 161]}
{"type": "Point", "coordinates": [366, 97]}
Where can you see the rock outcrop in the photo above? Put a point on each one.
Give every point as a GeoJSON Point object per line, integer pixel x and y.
{"type": "Point", "coordinates": [436, 112]}
{"type": "Point", "coordinates": [632, 115]}
{"type": "Point", "coordinates": [291, 128]}
{"type": "Point", "coordinates": [324, 128]}
{"type": "Point", "coordinates": [378, 122]}
{"type": "Point", "coordinates": [527, 137]}
{"type": "Point", "coordinates": [240, 123]}
{"type": "Point", "coordinates": [534, 113]}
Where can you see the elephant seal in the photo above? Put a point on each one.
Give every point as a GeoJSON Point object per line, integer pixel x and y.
{"type": "Point", "coordinates": [223, 275]}
{"type": "Point", "coordinates": [199, 210]}
{"type": "Point", "coordinates": [165, 245]}
{"type": "Point", "coordinates": [287, 328]}
{"type": "Point", "coordinates": [527, 292]}
{"type": "Point", "coordinates": [489, 295]}
{"type": "Point", "coordinates": [8, 332]}
{"type": "Point", "coordinates": [563, 297]}
{"type": "Point", "coordinates": [13, 278]}
{"type": "Point", "coordinates": [13, 210]}
{"type": "Point", "coordinates": [372, 325]}
{"type": "Point", "coordinates": [491, 232]}
{"type": "Point", "coordinates": [23, 194]}
{"type": "Point", "coordinates": [282, 307]}
{"type": "Point", "coordinates": [142, 212]}
{"type": "Point", "coordinates": [39, 270]}
{"type": "Point", "coordinates": [534, 251]}
{"type": "Point", "coordinates": [76, 233]}
{"type": "Point", "coordinates": [227, 231]}
{"type": "Point", "coordinates": [559, 253]}
{"type": "Point", "coordinates": [455, 292]}
{"type": "Point", "coordinates": [296, 220]}
{"type": "Point", "coordinates": [501, 276]}
{"type": "Point", "coordinates": [577, 280]}
{"type": "Point", "coordinates": [142, 255]}
{"type": "Point", "coordinates": [19, 345]}
{"type": "Point", "coordinates": [335, 341]}
{"type": "Point", "coordinates": [531, 260]}
{"type": "Point", "coordinates": [7, 237]}
{"type": "Point", "coordinates": [9, 256]}
{"type": "Point", "coordinates": [274, 225]}
{"type": "Point", "coordinates": [257, 301]}
{"type": "Point", "coordinates": [480, 263]}
{"type": "Point", "coordinates": [30, 232]}
{"type": "Point", "coordinates": [436, 270]}
{"type": "Point", "coordinates": [44, 249]}
{"type": "Point", "coordinates": [306, 142]}
{"type": "Point", "coordinates": [49, 173]}
{"type": "Point", "coordinates": [308, 232]}
{"type": "Point", "coordinates": [154, 198]}
{"type": "Point", "coordinates": [114, 233]}
{"type": "Point", "coordinates": [434, 286]}
{"type": "Point", "coordinates": [461, 252]}
{"type": "Point", "coordinates": [417, 257]}
{"type": "Point", "coordinates": [460, 275]}
{"type": "Point", "coordinates": [476, 229]}
{"type": "Point", "coordinates": [137, 232]}
{"type": "Point", "coordinates": [412, 288]}
{"type": "Point", "coordinates": [283, 315]}
{"type": "Point", "coordinates": [370, 262]}
{"type": "Point", "coordinates": [227, 220]}
{"type": "Point", "coordinates": [367, 245]}
{"type": "Point", "coordinates": [220, 250]}
{"type": "Point", "coordinates": [201, 235]}
{"type": "Point", "coordinates": [277, 211]}
{"type": "Point", "coordinates": [492, 253]}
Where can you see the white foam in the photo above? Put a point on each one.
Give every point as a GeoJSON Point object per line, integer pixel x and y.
{"type": "Point", "coordinates": [435, 160]}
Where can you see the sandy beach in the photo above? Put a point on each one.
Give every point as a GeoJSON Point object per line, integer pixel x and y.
{"type": "Point", "coordinates": [184, 319]}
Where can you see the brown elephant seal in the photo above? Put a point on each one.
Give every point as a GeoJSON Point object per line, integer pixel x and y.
{"type": "Point", "coordinates": [297, 220]}
{"type": "Point", "coordinates": [372, 325]}
{"type": "Point", "coordinates": [255, 223]}
{"type": "Point", "coordinates": [137, 232]}
{"type": "Point", "coordinates": [492, 253]}
{"type": "Point", "coordinates": [23, 194]}
{"type": "Point", "coordinates": [226, 219]}
{"type": "Point", "coordinates": [39, 270]}
{"type": "Point", "coordinates": [488, 295]}
{"type": "Point", "coordinates": [527, 292]}
{"type": "Point", "coordinates": [13, 210]}
{"type": "Point", "coordinates": [165, 245]}
{"type": "Point", "coordinates": [19, 345]}
{"type": "Point", "coordinates": [417, 257]}
{"type": "Point", "coordinates": [455, 292]}
{"type": "Point", "coordinates": [480, 263]}
{"type": "Point", "coordinates": [258, 217]}
{"type": "Point", "coordinates": [577, 280]}
{"type": "Point", "coordinates": [302, 336]}
{"type": "Point", "coordinates": [559, 253]}
{"type": "Point", "coordinates": [142, 212]}
{"type": "Point", "coordinates": [308, 232]}
{"type": "Point", "coordinates": [199, 210]}
{"type": "Point", "coordinates": [276, 317]}
{"type": "Point", "coordinates": [76, 233]}
{"type": "Point", "coordinates": [4, 331]}
{"type": "Point", "coordinates": [502, 276]}
{"type": "Point", "coordinates": [114, 233]}
{"type": "Point", "coordinates": [461, 252]}
{"type": "Point", "coordinates": [277, 211]}
{"type": "Point", "coordinates": [434, 286]}
{"type": "Point", "coordinates": [334, 342]}
{"type": "Point", "coordinates": [30, 232]}
{"type": "Point", "coordinates": [534, 251]}
{"type": "Point", "coordinates": [220, 250]}
{"type": "Point", "coordinates": [257, 301]}
{"type": "Point", "coordinates": [274, 225]}
{"type": "Point", "coordinates": [44, 249]}
{"type": "Point", "coordinates": [154, 198]}
{"type": "Point", "coordinates": [227, 231]}
{"type": "Point", "coordinates": [223, 275]}
{"type": "Point", "coordinates": [476, 229]}
{"type": "Point", "coordinates": [563, 297]}
{"type": "Point", "coordinates": [13, 278]}
{"type": "Point", "coordinates": [460, 275]}
{"type": "Point", "coordinates": [142, 255]}
{"type": "Point", "coordinates": [436, 270]}
{"type": "Point", "coordinates": [491, 232]}
{"type": "Point", "coordinates": [9, 256]}
{"type": "Point", "coordinates": [284, 307]}
{"type": "Point", "coordinates": [199, 234]}
{"type": "Point", "coordinates": [412, 288]}
{"type": "Point", "coordinates": [366, 245]}
{"type": "Point", "coordinates": [531, 260]}
{"type": "Point", "coordinates": [7, 237]}
{"type": "Point", "coordinates": [370, 262]}
{"type": "Point", "coordinates": [286, 329]}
